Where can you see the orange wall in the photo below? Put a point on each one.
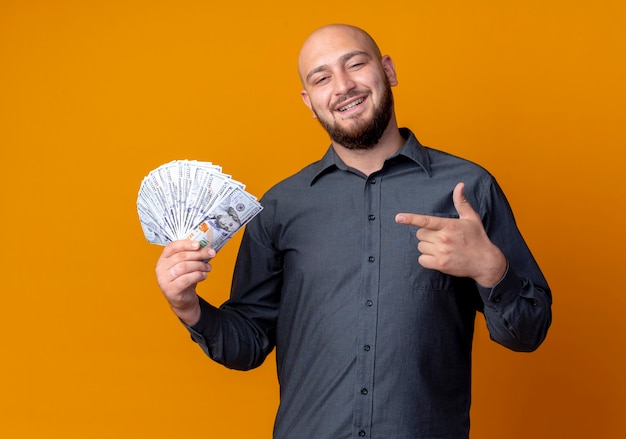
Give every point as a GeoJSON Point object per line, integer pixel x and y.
{"type": "Point", "coordinates": [94, 94]}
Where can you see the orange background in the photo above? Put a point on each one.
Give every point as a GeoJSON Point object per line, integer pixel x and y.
{"type": "Point", "coordinates": [95, 94]}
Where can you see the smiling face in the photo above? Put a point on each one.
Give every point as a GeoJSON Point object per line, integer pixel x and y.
{"type": "Point", "coordinates": [347, 85]}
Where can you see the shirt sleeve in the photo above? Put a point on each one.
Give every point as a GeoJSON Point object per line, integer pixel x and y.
{"type": "Point", "coordinates": [241, 333]}
{"type": "Point", "coordinates": [518, 309]}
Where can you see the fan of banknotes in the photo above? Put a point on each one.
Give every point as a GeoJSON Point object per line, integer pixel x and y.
{"type": "Point", "coordinates": [189, 199]}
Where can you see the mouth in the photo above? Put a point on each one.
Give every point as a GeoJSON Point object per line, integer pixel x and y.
{"type": "Point", "coordinates": [351, 105]}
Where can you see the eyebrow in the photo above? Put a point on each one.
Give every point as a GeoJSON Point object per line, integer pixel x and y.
{"type": "Point", "coordinates": [344, 58]}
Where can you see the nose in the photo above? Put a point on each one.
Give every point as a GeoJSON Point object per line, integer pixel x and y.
{"type": "Point", "coordinates": [343, 83]}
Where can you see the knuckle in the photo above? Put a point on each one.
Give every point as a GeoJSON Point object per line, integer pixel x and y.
{"type": "Point", "coordinates": [445, 239]}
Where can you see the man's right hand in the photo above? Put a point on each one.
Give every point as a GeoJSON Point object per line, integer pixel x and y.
{"type": "Point", "coordinates": [180, 267]}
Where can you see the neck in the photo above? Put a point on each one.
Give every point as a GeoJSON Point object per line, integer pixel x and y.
{"type": "Point", "coordinates": [372, 159]}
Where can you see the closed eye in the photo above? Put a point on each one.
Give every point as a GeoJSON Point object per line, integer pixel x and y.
{"type": "Point", "coordinates": [320, 80]}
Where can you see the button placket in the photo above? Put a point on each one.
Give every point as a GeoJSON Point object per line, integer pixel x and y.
{"type": "Point", "coordinates": [371, 243]}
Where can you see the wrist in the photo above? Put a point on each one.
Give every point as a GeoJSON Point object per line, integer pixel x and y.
{"type": "Point", "coordinates": [190, 315]}
{"type": "Point", "coordinates": [493, 269]}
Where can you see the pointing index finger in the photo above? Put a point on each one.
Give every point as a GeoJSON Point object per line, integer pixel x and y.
{"type": "Point", "coordinates": [423, 221]}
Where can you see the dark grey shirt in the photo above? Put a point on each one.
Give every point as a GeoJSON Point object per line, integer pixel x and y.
{"type": "Point", "coordinates": [369, 343]}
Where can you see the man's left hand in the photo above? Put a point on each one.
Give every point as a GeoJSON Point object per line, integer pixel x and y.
{"type": "Point", "coordinates": [457, 246]}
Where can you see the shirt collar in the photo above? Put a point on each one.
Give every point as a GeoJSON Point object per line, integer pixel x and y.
{"type": "Point", "coordinates": [411, 149]}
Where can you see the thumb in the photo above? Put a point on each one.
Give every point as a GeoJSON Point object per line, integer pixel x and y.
{"type": "Point", "coordinates": [462, 205]}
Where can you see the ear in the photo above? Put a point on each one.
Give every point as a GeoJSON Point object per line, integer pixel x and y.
{"type": "Point", "coordinates": [307, 102]}
{"type": "Point", "coordinates": [389, 69]}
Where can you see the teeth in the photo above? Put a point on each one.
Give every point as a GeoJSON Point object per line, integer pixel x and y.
{"type": "Point", "coordinates": [352, 105]}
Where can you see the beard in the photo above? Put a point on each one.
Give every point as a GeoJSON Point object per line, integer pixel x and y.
{"type": "Point", "coordinates": [363, 134]}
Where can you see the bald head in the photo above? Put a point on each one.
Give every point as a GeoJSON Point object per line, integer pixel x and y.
{"type": "Point", "coordinates": [329, 39]}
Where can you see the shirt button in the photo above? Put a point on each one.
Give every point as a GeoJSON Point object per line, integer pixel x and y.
{"type": "Point", "coordinates": [369, 303]}
{"type": "Point", "coordinates": [371, 217]}
{"type": "Point", "coordinates": [363, 391]}
{"type": "Point", "coordinates": [496, 299]}
{"type": "Point", "coordinates": [372, 181]}
{"type": "Point", "coordinates": [361, 433]}
{"type": "Point", "coordinates": [366, 348]}
{"type": "Point", "coordinates": [371, 259]}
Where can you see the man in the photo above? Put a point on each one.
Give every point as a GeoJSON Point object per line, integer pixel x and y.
{"type": "Point", "coordinates": [365, 269]}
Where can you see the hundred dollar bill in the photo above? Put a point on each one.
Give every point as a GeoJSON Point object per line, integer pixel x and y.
{"type": "Point", "coordinates": [235, 209]}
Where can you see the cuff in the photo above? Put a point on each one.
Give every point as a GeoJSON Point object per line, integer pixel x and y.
{"type": "Point", "coordinates": [206, 324]}
{"type": "Point", "coordinates": [502, 293]}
